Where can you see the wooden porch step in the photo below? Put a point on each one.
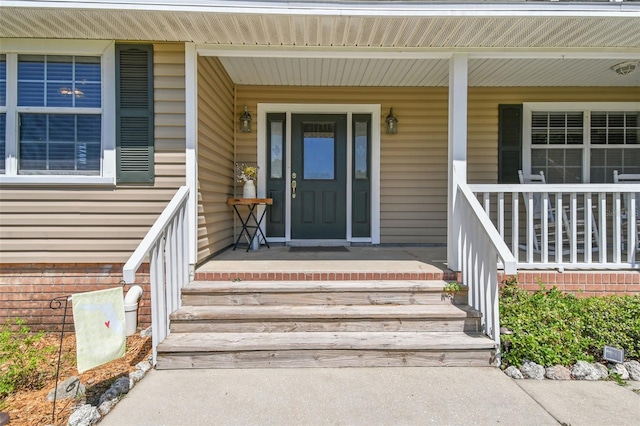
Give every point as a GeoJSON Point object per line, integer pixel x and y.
{"type": "Point", "coordinates": [405, 292]}
{"type": "Point", "coordinates": [316, 318]}
{"type": "Point", "coordinates": [324, 349]}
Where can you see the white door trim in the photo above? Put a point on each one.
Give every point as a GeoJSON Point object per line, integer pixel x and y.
{"type": "Point", "coordinates": [349, 110]}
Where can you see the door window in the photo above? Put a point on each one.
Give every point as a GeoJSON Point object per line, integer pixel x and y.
{"type": "Point", "coordinates": [319, 151]}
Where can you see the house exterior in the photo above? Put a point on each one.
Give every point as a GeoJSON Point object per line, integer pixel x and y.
{"type": "Point", "coordinates": [107, 109]}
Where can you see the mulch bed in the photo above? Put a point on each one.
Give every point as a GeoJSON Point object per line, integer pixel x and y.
{"type": "Point", "coordinates": [30, 407]}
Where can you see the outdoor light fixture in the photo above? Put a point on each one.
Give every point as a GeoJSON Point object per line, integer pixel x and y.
{"type": "Point", "coordinates": [245, 121]}
{"type": "Point", "coordinates": [392, 123]}
{"type": "Point", "coordinates": [625, 68]}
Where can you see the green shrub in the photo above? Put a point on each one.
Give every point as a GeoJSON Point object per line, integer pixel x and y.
{"type": "Point", "coordinates": [550, 327]}
{"type": "Point", "coordinates": [23, 363]}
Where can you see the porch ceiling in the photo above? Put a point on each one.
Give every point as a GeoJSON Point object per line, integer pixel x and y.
{"type": "Point", "coordinates": [424, 72]}
{"type": "Point", "coordinates": [426, 30]}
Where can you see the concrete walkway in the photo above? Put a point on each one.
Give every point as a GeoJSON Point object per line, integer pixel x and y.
{"type": "Point", "coordinates": [369, 396]}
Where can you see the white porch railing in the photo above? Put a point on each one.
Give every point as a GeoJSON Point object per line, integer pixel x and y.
{"type": "Point", "coordinates": [166, 246]}
{"type": "Point", "coordinates": [480, 249]}
{"type": "Point", "coordinates": [591, 222]}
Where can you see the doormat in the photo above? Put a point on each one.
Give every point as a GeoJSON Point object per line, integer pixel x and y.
{"type": "Point", "coordinates": [318, 249]}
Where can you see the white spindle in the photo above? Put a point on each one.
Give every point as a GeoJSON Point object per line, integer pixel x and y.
{"type": "Point", "coordinates": [588, 232]}
{"type": "Point", "coordinates": [501, 214]}
{"type": "Point", "coordinates": [573, 205]}
{"type": "Point", "coordinates": [545, 227]}
{"type": "Point", "coordinates": [617, 228]}
{"type": "Point", "coordinates": [602, 227]}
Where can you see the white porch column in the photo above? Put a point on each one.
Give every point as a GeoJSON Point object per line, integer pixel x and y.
{"type": "Point", "coordinates": [457, 150]}
{"type": "Point", "coordinates": [191, 148]}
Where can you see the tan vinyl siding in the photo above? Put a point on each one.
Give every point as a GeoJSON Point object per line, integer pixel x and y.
{"type": "Point", "coordinates": [483, 117]}
{"type": "Point", "coordinates": [215, 157]}
{"type": "Point", "coordinates": [102, 225]}
{"type": "Point", "coordinates": [413, 162]}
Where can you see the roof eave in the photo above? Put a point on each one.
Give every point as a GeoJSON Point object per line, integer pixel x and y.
{"type": "Point", "coordinates": [351, 8]}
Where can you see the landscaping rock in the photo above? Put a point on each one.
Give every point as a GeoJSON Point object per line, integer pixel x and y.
{"type": "Point", "coordinates": [86, 415]}
{"type": "Point", "coordinates": [602, 370]}
{"type": "Point", "coordinates": [582, 370]}
{"type": "Point", "coordinates": [109, 395]}
{"type": "Point", "coordinates": [620, 370]}
{"type": "Point", "coordinates": [513, 372]}
{"type": "Point", "coordinates": [70, 388]}
{"type": "Point", "coordinates": [136, 376]}
{"type": "Point", "coordinates": [106, 406]}
{"type": "Point", "coordinates": [144, 366]}
{"type": "Point", "coordinates": [531, 370]}
{"type": "Point", "coordinates": [121, 385]}
{"type": "Point", "coordinates": [557, 372]}
{"type": "Point", "coordinates": [146, 332]}
{"type": "Point", "coordinates": [633, 367]}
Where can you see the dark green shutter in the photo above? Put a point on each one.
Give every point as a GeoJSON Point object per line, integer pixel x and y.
{"type": "Point", "coordinates": [134, 113]}
{"type": "Point", "coordinates": [509, 143]}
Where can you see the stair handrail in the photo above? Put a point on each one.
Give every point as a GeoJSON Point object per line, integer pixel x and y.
{"type": "Point", "coordinates": [166, 246]}
{"type": "Point", "coordinates": [479, 248]}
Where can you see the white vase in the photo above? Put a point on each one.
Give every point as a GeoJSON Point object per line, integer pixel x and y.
{"type": "Point", "coordinates": [249, 189]}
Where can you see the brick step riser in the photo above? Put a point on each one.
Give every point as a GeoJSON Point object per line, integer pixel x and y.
{"type": "Point", "coordinates": [322, 298]}
{"type": "Point", "coordinates": [349, 325]}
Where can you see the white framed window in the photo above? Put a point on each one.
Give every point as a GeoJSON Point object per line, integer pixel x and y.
{"type": "Point", "coordinates": [581, 142]}
{"type": "Point", "coordinates": [57, 112]}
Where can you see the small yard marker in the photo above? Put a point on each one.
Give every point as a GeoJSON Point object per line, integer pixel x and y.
{"type": "Point", "coordinates": [613, 354]}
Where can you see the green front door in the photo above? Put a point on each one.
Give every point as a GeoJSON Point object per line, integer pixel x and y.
{"type": "Point", "coordinates": [318, 176]}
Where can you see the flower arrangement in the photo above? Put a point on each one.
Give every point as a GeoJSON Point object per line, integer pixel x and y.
{"type": "Point", "coordinates": [246, 173]}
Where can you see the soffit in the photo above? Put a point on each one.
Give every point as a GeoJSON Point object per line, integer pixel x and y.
{"type": "Point", "coordinates": [424, 72]}
{"type": "Point", "coordinates": [399, 32]}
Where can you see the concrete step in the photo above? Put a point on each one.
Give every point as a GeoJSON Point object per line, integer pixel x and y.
{"type": "Point", "coordinates": [324, 349]}
{"type": "Point", "coordinates": [404, 292]}
{"type": "Point", "coordinates": [322, 318]}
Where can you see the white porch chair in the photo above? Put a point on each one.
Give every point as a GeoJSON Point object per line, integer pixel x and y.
{"type": "Point", "coordinates": [629, 178]}
{"type": "Point", "coordinates": [566, 224]}
{"type": "Point", "coordinates": [537, 213]}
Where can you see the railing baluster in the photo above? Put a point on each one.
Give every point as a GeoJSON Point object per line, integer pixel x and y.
{"type": "Point", "coordinates": [544, 215]}
{"type": "Point", "coordinates": [602, 227]}
{"type": "Point", "coordinates": [617, 228]}
{"type": "Point", "coordinates": [573, 203]}
{"type": "Point", "coordinates": [501, 214]}
{"type": "Point", "coordinates": [559, 230]}
{"type": "Point", "coordinates": [530, 227]}
{"type": "Point", "coordinates": [515, 225]}
{"type": "Point", "coordinates": [588, 231]}
{"type": "Point", "coordinates": [632, 232]}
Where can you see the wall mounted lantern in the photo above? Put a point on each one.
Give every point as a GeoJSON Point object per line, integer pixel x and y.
{"type": "Point", "coordinates": [245, 121]}
{"type": "Point", "coordinates": [392, 123]}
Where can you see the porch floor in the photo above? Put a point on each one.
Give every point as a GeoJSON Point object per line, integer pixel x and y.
{"type": "Point", "coordinates": [397, 260]}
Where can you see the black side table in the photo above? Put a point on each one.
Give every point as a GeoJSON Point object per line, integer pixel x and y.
{"type": "Point", "coordinates": [251, 231]}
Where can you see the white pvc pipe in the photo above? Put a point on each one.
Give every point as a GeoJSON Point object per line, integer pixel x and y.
{"type": "Point", "coordinates": [131, 308]}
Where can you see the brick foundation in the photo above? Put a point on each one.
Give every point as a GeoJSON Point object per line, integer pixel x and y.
{"type": "Point", "coordinates": [26, 290]}
{"type": "Point", "coordinates": [583, 283]}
